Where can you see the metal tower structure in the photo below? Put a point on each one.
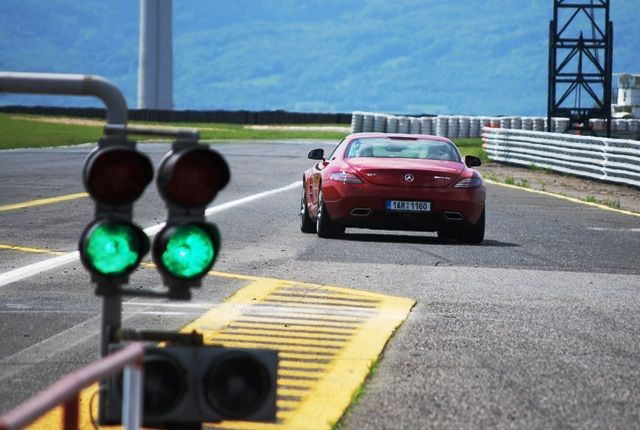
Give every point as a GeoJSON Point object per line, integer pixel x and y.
{"type": "Point", "coordinates": [155, 67]}
{"type": "Point", "coordinates": [580, 62]}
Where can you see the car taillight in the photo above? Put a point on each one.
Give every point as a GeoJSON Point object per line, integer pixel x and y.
{"type": "Point", "coordinates": [346, 177]}
{"type": "Point", "coordinates": [472, 182]}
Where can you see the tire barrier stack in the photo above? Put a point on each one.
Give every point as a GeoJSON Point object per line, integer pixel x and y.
{"type": "Point", "coordinates": [612, 160]}
{"type": "Point", "coordinates": [458, 126]}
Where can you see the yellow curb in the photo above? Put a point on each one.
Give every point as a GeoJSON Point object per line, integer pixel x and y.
{"type": "Point", "coordinates": [316, 377]}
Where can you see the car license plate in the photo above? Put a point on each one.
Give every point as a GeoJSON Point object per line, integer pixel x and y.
{"type": "Point", "coordinates": [408, 206]}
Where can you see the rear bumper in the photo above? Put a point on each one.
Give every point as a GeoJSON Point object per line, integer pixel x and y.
{"type": "Point", "coordinates": [363, 206]}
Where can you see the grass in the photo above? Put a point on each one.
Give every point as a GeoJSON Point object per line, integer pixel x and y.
{"type": "Point", "coordinates": [615, 204]}
{"type": "Point", "coordinates": [471, 146]}
{"type": "Point", "coordinates": [25, 132]}
{"type": "Point", "coordinates": [612, 203]}
{"type": "Point", "coordinates": [510, 180]}
{"type": "Point", "coordinates": [357, 395]}
{"type": "Point", "coordinates": [19, 133]}
{"type": "Point", "coordinates": [29, 131]}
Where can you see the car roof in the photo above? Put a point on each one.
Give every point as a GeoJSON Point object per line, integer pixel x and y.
{"type": "Point", "coordinates": [398, 136]}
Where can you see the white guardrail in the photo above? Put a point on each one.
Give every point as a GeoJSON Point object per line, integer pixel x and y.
{"type": "Point", "coordinates": [613, 160]}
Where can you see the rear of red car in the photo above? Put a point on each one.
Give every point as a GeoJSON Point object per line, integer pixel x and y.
{"type": "Point", "coordinates": [403, 192]}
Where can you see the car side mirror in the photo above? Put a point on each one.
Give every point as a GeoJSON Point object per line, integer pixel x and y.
{"type": "Point", "coordinates": [472, 161]}
{"type": "Point", "coordinates": [316, 154]}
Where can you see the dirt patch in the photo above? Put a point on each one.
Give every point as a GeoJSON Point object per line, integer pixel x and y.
{"type": "Point", "coordinates": [97, 122]}
{"type": "Point", "coordinates": [613, 195]}
{"type": "Point", "coordinates": [61, 120]}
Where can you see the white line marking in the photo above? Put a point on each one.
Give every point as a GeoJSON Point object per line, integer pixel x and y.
{"type": "Point", "coordinates": [43, 266]}
{"type": "Point", "coordinates": [173, 305]}
{"type": "Point", "coordinates": [621, 230]}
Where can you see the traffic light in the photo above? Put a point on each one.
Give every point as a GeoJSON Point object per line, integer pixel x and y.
{"type": "Point", "coordinates": [195, 384]}
{"type": "Point", "coordinates": [189, 177]}
{"type": "Point", "coordinates": [115, 175]}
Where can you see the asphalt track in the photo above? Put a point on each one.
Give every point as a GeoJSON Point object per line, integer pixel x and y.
{"type": "Point", "coordinates": [536, 328]}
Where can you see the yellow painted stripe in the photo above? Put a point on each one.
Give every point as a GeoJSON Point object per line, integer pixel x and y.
{"type": "Point", "coordinates": [559, 196]}
{"type": "Point", "coordinates": [286, 403]}
{"type": "Point", "coordinates": [31, 250]}
{"type": "Point", "coordinates": [298, 373]}
{"type": "Point", "coordinates": [315, 351]}
{"type": "Point", "coordinates": [303, 293]}
{"type": "Point", "coordinates": [294, 332]}
{"type": "Point", "coordinates": [335, 331]}
{"type": "Point", "coordinates": [41, 202]}
{"type": "Point", "coordinates": [291, 392]}
{"type": "Point", "coordinates": [295, 382]}
{"type": "Point", "coordinates": [300, 323]}
{"type": "Point", "coordinates": [316, 378]}
{"type": "Point", "coordinates": [313, 316]}
{"type": "Point", "coordinates": [311, 341]}
{"type": "Point", "coordinates": [283, 335]}
{"type": "Point", "coordinates": [300, 355]}
{"type": "Point", "coordinates": [304, 302]}
{"type": "Point", "coordinates": [290, 363]}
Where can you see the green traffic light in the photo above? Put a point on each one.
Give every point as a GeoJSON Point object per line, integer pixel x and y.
{"type": "Point", "coordinates": [113, 248]}
{"type": "Point", "coordinates": [189, 252]}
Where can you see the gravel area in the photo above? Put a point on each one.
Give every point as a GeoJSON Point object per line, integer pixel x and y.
{"type": "Point", "coordinates": [613, 195]}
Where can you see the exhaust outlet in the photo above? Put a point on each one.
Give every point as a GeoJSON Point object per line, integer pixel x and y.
{"type": "Point", "coordinates": [360, 211]}
{"type": "Point", "coordinates": [453, 216]}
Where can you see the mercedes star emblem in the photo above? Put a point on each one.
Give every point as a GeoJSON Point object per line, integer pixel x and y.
{"type": "Point", "coordinates": [409, 177]}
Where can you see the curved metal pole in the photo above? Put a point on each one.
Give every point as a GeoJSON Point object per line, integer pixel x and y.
{"type": "Point", "coordinates": [69, 84]}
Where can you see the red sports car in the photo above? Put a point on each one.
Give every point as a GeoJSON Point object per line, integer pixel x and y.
{"type": "Point", "coordinates": [394, 182]}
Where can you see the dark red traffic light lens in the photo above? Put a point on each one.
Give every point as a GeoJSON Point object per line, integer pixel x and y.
{"type": "Point", "coordinates": [192, 178]}
{"type": "Point", "coordinates": [117, 176]}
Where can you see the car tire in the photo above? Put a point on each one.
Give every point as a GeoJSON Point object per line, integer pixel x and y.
{"type": "Point", "coordinates": [325, 227]}
{"type": "Point", "coordinates": [474, 235]}
{"type": "Point", "coordinates": [306, 224]}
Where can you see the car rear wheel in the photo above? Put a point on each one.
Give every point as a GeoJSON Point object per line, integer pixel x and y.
{"type": "Point", "coordinates": [475, 234]}
{"type": "Point", "coordinates": [306, 224]}
{"type": "Point", "coordinates": [325, 227]}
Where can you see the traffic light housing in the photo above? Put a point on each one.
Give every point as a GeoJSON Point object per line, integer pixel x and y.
{"type": "Point", "coordinates": [115, 174]}
{"type": "Point", "coordinates": [195, 384]}
{"type": "Point", "coordinates": [189, 178]}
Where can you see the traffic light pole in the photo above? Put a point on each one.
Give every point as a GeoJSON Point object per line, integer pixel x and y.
{"type": "Point", "coordinates": [114, 101]}
{"type": "Point", "coordinates": [71, 85]}
{"type": "Point", "coordinates": [117, 114]}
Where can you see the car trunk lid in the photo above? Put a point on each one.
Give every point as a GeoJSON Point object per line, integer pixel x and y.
{"type": "Point", "coordinates": [410, 173]}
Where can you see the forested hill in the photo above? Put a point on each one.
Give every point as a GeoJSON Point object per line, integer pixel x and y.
{"type": "Point", "coordinates": [405, 56]}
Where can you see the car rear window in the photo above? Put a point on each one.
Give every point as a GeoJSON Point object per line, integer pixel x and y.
{"type": "Point", "coordinates": [379, 147]}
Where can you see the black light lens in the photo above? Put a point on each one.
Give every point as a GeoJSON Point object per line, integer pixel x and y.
{"type": "Point", "coordinates": [164, 385]}
{"type": "Point", "coordinates": [117, 176]}
{"type": "Point", "coordinates": [237, 385]}
{"type": "Point", "coordinates": [192, 178]}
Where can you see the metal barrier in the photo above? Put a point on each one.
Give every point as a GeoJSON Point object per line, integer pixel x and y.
{"type": "Point", "coordinates": [66, 392]}
{"type": "Point", "coordinates": [612, 160]}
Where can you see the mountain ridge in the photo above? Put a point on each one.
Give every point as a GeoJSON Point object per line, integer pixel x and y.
{"type": "Point", "coordinates": [472, 57]}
